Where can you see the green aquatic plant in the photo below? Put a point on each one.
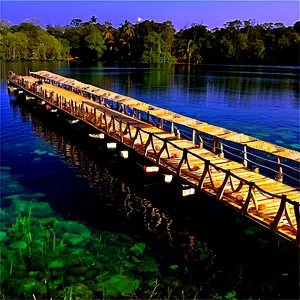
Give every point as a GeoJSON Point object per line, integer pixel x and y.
{"type": "Point", "coordinates": [38, 243]}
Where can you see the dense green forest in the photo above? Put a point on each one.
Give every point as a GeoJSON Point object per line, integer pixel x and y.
{"type": "Point", "coordinates": [237, 42]}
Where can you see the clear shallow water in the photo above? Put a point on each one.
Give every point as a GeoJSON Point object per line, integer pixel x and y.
{"type": "Point", "coordinates": [45, 160]}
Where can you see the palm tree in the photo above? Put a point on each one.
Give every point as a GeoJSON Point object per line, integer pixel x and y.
{"type": "Point", "coordinates": [110, 38]}
{"type": "Point", "coordinates": [127, 33]}
{"type": "Point", "coordinates": [93, 19]}
{"type": "Point", "coordinates": [189, 51]}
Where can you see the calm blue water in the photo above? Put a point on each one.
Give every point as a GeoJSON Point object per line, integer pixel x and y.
{"type": "Point", "coordinates": [259, 101]}
{"type": "Point", "coordinates": [81, 180]}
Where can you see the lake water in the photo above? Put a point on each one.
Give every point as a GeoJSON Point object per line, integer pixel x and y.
{"type": "Point", "coordinates": [153, 236]}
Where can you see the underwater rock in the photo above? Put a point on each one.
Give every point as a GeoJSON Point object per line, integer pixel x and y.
{"type": "Point", "coordinates": [109, 251]}
{"type": "Point", "coordinates": [98, 266]}
{"type": "Point", "coordinates": [40, 152]}
{"type": "Point", "coordinates": [138, 248]}
{"type": "Point", "coordinates": [74, 227]}
{"type": "Point", "coordinates": [28, 286]}
{"type": "Point", "coordinates": [38, 265]}
{"type": "Point", "coordinates": [72, 261]}
{"type": "Point", "coordinates": [38, 209]}
{"type": "Point", "coordinates": [73, 279]}
{"type": "Point", "coordinates": [21, 274]}
{"type": "Point", "coordinates": [91, 273]}
{"type": "Point", "coordinates": [56, 264]}
{"type": "Point", "coordinates": [73, 238]}
{"type": "Point", "coordinates": [49, 221]}
{"type": "Point", "coordinates": [58, 272]}
{"type": "Point", "coordinates": [113, 266]}
{"type": "Point", "coordinates": [93, 287]}
{"type": "Point", "coordinates": [88, 260]}
{"type": "Point", "coordinates": [148, 266]}
{"type": "Point", "coordinates": [78, 270]}
{"type": "Point", "coordinates": [121, 284]}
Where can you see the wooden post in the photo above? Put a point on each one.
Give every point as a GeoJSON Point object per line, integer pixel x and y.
{"type": "Point", "coordinates": [221, 189]}
{"type": "Point", "coordinates": [221, 150]}
{"type": "Point", "coordinates": [280, 172]}
{"type": "Point", "coordinates": [82, 111]}
{"type": "Point", "coordinates": [105, 121]}
{"type": "Point", "coordinates": [172, 127]}
{"type": "Point", "coordinates": [161, 123]}
{"type": "Point", "coordinates": [205, 171]}
{"type": "Point", "coordinates": [278, 216]}
{"type": "Point", "coordinates": [245, 162]}
{"type": "Point", "coordinates": [194, 136]}
{"type": "Point", "coordinates": [214, 149]}
{"type": "Point", "coordinates": [95, 116]}
{"type": "Point", "coordinates": [200, 141]}
{"type": "Point", "coordinates": [244, 208]}
{"type": "Point", "coordinates": [121, 131]}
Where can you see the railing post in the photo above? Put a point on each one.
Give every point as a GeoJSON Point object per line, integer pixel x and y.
{"type": "Point", "coordinates": [95, 116]}
{"type": "Point", "coordinates": [244, 208]}
{"type": "Point", "coordinates": [278, 216]}
{"type": "Point", "coordinates": [149, 141]}
{"type": "Point", "coordinates": [172, 127]}
{"type": "Point", "coordinates": [183, 159]}
{"type": "Point", "coordinates": [214, 149]}
{"type": "Point", "coordinates": [221, 150]}
{"type": "Point", "coordinates": [148, 117]}
{"type": "Point", "coordinates": [105, 121]}
{"type": "Point", "coordinates": [280, 172]}
{"type": "Point", "coordinates": [200, 141]}
{"type": "Point", "coordinates": [112, 121]}
{"type": "Point", "coordinates": [245, 162]}
{"type": "Point", "coordinates": [121, 131]}
{"type": "Point", "coordinates": [206, 168]}
{"type": "Point", "coordinates": [194, 136]}
{"type": "Point", "coordinates": [165, 145]}
{"type": "Point", "coordinates": [161, 123]}
{"type": "Point", "coordinates": [222, 187]}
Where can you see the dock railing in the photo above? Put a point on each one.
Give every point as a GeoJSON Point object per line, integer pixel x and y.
{"type": "Point", "coordinates": [197, 171]}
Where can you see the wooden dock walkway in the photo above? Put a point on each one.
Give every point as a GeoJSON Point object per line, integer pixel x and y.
{"type": "Point", "coordinates": [266, 201]}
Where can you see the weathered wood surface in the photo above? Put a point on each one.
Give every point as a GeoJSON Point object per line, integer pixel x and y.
{"type": "Point", "coordinates": [262, 199]}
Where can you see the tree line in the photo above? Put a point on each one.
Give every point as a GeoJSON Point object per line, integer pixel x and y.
{"type": "Point", "coordinates": [237, 42]}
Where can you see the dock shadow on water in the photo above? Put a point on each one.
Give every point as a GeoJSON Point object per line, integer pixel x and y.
{"type": "Point", "coordinates": [79, 221]}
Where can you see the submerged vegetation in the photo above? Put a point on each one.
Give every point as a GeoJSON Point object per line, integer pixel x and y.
{"type": "Point", "coordinates": [237, 42]}
{"type": "Point", "coordinates": [205, 252]}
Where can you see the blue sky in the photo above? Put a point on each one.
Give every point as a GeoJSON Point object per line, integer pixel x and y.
{"type": "Point", "coordinates": [182, 13]}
